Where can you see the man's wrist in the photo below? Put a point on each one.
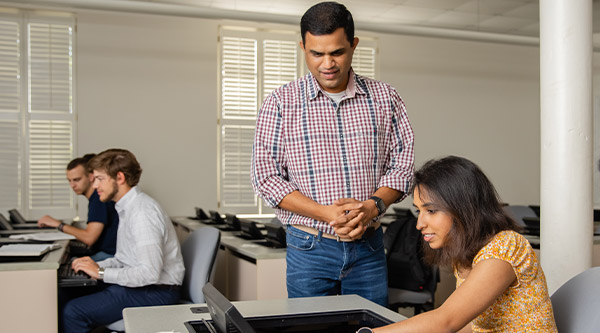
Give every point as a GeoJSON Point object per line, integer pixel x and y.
{"type": "Point", "coordinates": [61, 226]}
{"type": "Point", "coordinates": [379, 204]}
{"type": "Point", "coordinates": [100, 273]}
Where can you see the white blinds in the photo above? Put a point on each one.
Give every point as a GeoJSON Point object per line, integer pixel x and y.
{"type": "Point", "coordinates": [50, 139]}
{"type": "Point", "coordinates": [10, 194]}
{"type": "Point", "coordinates": [9, 66]}
{"type": "Point", "coordinates": [280, 64]}
{"type": "Point", "coordinates": [238, 78]}
{"type": "Point", "coordinates": [253, 63]}
{"type": "Point", "coordinates": [49, 154]}
{"type": "Point", "coordinates": [236, 157]}
{"type": "Point", "coordinates": [50, 65]}
{"type": "Point", "coordinates": [36, 113]}
{"type": "Point", "coordinates": [363, 61]}
{"type": "Point", "coordinates": [10, 134]}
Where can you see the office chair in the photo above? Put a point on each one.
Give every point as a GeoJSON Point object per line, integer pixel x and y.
{"type": "Point", "coordinates": [423, 300]}
{"type": "Point", "coordinates": [411, 283]}
{"type": "Point", "coordinates": [576, 303]}
{"type": "Point", "coordinates": [199, 253]}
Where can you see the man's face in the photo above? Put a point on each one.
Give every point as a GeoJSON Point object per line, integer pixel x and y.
{"type": "Point", "coordinates": [105, 186]}
{"type": "Point", "coordinates": [79, 180]}
{"type": "Point", "coordinates": [329, 57]}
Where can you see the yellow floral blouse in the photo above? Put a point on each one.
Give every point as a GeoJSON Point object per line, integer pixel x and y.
{"type": "Point", "coordinates": [525, 306]}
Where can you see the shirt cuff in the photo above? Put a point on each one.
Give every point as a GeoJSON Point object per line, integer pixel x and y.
{"type": "Point", "coordinates": [110, 275]}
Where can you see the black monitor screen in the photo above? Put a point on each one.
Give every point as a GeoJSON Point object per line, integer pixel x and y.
{"type": "Point", "coordinates": [250, 230]}
{"type": "Point", "coordinates": [223, 314]}
{"type": "Point", "coordinates": [16, 217]}
{"type": "Point", "coordinates": [276, 234]}
{"type": "Point", "coordinates": [232, 221]}
{"type": "Point", "coordinates": [215, 216]}
{"type": "Point", "coordinates": [200, 214]}
{"type": "Point", "coordinates": [4, 224]}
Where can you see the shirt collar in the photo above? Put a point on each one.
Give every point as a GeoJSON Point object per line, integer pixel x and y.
{"type": "Point", "coordinates": [126, 200]}
{"type": "Point", "coordinates": [352, 89]}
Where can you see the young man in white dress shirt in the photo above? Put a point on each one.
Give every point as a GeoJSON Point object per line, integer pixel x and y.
{"type": "Point", "coordinates": [147, 268]}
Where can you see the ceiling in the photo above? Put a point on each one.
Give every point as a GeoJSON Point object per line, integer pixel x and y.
{"type": "Point", "coordinates": [512, 18]}
{"type": "Point", "coordinates": [519, 17]}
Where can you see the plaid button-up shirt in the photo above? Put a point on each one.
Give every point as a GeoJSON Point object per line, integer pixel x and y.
{"type": "Point", "coordinates": [305, 141]}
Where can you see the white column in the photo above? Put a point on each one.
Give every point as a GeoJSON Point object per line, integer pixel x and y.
{"type": "Point", "coordinates": [566, 138]}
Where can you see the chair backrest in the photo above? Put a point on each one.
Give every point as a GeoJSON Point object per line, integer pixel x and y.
{"type": "Point", "coordinates": [199, 252]}
{"type": "Point", "coordinates": [519, 212]}
{"type": "Point", "coordinates": [576, 303]}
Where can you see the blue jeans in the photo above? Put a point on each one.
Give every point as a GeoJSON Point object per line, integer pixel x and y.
{"type": "Point", "coordinates": [105, 307]}
{"type": "Point", "coordinates": [318, 266]}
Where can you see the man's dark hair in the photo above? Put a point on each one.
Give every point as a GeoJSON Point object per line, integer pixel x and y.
{"type": "Point", "coordinates": [115, 160]}
{"type": "Point", "coordinates": [463, 191]}
{"type": "Point", "coordinates": [83, 161]}
{"type": "Point", "coordinates": [326, 17]}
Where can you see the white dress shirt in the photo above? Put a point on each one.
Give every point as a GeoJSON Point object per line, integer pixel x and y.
{"type": "Point", "coordinates": [148, 250]}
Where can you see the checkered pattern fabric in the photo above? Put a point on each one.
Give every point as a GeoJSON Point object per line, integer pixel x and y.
{"type": "Point", "coordinates": [305, 141]}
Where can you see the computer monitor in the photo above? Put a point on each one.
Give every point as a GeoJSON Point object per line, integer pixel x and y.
{"type": "Point", "coordinates": [4, 224]}
{"type": "Point", "coordinates": [232, 222]}
{"type": "Point", "coordinates": [536, 209]}
{"type": "Point", "coordinates": [224, 314]}
{"type": "Point", "coordinates": [250, 230]}
{"type": "Point", "coordinates": [532, 225]}
{"type": "Point", "coordinates": [17, 218]}
{"type": "Point", "coordinates": [276, 234]}
{"type": "Point", "coordinates": [200, 214]}
{"type": "Point", "coordinates": [216, 217]}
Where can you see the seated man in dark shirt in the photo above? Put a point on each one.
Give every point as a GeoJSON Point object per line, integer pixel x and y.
{"type": "Point", "coordinates": [100, 233]}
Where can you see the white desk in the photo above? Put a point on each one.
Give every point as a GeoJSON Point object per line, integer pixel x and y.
{"type": "Point", "coordinates": [172, 318]}
{"type": "Point", "coordinates": [29, 293]}
{"type": "Point", "coordinates": [244, 270]}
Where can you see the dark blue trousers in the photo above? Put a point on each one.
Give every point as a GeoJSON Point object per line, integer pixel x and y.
{"type": "Point", "coordinates": [102, 308]}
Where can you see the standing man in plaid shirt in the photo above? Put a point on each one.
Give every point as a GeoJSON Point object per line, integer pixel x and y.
{"type": "Point", "coordinates": [331, 151]}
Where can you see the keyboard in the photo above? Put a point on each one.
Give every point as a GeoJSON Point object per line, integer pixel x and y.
{"type": "Point", "coordinates": [67, 272]}
{"type": "Point", "coordinates": [67, 277]}
{"type": "Point", "coordinates": [79, 249]}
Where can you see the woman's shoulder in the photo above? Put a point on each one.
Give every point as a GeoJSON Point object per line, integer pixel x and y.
{"type": "Point", "coordinates": [504, 245]}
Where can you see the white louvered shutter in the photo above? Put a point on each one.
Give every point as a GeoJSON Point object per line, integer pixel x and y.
{"type": "Point", "coordinates": [239, 79]}
{"type": "Point", "coordinates": [37, 120]}
{"type": "Point", "coordinates": [50, 67]}
{"type": "Point", "coordinates": [49, 152]}
{"type": "Point", "coordinates": [10, 117]}
{"type": "Point", "coordinates": [236, 158]}
{"type": "Point", "coordinates": [363, 61]}
{"type": "Point", "coordinates": [280, 64]}
{"type": "Point", "coordinates": [51, 117]}
{"type": "Point", "coordinates": [253, 63]}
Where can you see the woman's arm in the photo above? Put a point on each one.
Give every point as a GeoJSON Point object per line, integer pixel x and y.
{"type": "Point", "coordinates": [487, 280]}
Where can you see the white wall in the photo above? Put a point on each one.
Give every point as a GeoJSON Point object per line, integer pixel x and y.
{"type": "Point", "coordinates": [149, 84]}
{"type": "Point", "coordinates": [472, 99]}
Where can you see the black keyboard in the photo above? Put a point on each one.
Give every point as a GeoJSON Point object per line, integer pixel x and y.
{"type": "Point", "coordinates": [66, 272]}
{"type": "Point", "coordinates": [79, 249]}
